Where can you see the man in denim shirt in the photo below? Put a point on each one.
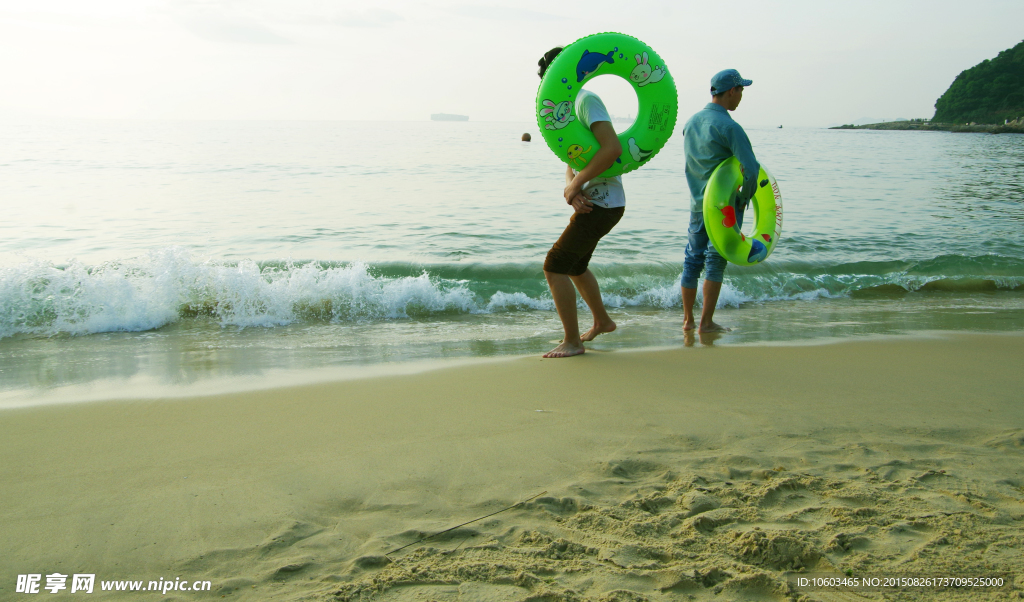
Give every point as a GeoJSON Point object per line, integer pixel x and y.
{"type": "Point", "coordinates": [710, 137]}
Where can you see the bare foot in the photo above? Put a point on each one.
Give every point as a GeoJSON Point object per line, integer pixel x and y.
{"type": "Point", "coordinates": [597, 329]}
{"type": "Point", "coordinates": [688, 325]}
{"type": "Point", "coordinates": [565, 350]}
{"type": "Point", "coordinates": [713, 328]}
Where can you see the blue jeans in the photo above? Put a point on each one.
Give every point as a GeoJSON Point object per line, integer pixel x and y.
{"type": "Point", "coordinates": [701, 254]}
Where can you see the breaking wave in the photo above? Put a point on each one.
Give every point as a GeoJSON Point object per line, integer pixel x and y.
{"type": "Point", "coordinates": [147, 292]}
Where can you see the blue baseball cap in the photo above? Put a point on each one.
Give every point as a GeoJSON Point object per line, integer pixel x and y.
{"type": "Point", "coordinates": [727, 80]}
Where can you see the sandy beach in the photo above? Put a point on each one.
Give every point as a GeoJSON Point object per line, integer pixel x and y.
{"type": "Point", "coordinates": [666, 477]}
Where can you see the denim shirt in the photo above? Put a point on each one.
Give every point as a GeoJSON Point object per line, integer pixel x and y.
{"type": "Point", "coordinates": [710, 137]}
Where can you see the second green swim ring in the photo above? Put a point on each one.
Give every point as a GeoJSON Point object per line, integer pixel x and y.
{"type": "Point", "coordinates": [601, 54]}
{"type": "Point", "coordinates": [720, 214]}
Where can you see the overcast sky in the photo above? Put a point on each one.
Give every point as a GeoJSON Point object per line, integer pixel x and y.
{"type": "Point", "coordinates": [813, 63]}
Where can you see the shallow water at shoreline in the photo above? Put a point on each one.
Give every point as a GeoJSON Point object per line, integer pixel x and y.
{"type": "Point", "coordinates": [195, 353]}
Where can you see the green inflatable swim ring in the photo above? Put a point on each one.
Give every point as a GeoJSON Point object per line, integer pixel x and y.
{"type": "Point", "coordinates": [601, 54]}
{"type": "Point", "coordinates": [720, 214]}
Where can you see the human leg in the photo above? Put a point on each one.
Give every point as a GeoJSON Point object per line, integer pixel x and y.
{"type": "Point", "coordinates": [693, 265]}
{"type": "Point", "coordinates": [566, 264]}
{"type": "Point", "coordinates": [587, 285]}
{"type": "Point", "coordinates": [689, 299]}
{"type": "Point", "coordinates": [564, 296]}
{"type": "Point", "coordinates": [707, 310]}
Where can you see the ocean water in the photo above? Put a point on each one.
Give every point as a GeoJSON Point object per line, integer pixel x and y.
{"type": "Point", "coordinates": [179, 252]}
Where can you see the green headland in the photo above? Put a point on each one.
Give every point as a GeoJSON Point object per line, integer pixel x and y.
{"type": "Point", "coordinates": [988, 97]}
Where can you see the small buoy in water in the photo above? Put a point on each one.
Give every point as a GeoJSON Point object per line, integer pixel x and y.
{"type": "Point", "coordinates": [526, 137]}
{"type": "Point", "coordinates": [780, 127]}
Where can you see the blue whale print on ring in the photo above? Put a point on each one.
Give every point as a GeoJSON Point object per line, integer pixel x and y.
{"type": "Point", "coordinates": [591, 62]}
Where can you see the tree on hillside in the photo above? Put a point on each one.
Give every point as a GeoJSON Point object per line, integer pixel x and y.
{"type": "Point", "coordinates": [989, 92]}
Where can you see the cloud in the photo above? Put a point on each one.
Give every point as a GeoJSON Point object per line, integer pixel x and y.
{"type": "Point", "coordinates": [222, 30]}
{"type": "Point", "coordinates": [504, 13]}
{"type": "Point", "coordinates": [374, 17]}
{"type": "Point", "coordinates": [211, 21]}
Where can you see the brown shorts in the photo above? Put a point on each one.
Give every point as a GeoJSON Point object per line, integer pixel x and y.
{"type": "Point", "coordinates": [571, 252]}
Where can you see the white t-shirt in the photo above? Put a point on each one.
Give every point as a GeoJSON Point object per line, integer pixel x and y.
{"type": "Point", "coordinates": [604, 192]}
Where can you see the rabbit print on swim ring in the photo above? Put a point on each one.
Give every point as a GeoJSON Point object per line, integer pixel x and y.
{"type": "Point", "coordinates": [557, 116]}
{"type": "Point", "coordinates": [643, 74]}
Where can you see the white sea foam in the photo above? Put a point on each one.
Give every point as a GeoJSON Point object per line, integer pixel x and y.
{"type": "Point", "coordinates": [38, 298]}
{"type": "Point", "coordinates": [502, 301]}
{"type": "Point", "coordinates": [148, 292]}
{"type": "Point", "coordinates": [143, 293]}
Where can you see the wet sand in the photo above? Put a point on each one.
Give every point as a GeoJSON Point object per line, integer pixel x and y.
{"type": "Point", "coordinates": [666, 475]}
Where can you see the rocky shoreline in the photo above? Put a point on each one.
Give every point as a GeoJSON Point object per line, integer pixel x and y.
{"type": "Point", "coordinates": [927, 126]}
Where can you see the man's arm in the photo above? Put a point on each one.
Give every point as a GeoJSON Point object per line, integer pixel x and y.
{"type": "Point", "coordinates": [739, 144]}
{"type": "Point", "coordinates": [580, 202]}
{"type": "Point", "coordinates": [610, 150]}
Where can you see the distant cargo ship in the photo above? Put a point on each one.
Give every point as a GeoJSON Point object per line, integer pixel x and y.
{"type": "Point", "coordinates": [448, 117]}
